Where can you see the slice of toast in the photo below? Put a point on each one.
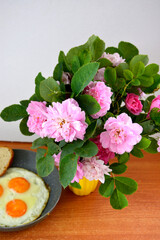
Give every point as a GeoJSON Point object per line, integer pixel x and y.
{"type": "Point", "coordinates": [6, 157]}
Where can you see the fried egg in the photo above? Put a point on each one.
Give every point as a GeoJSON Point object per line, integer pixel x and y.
{"type": "Point", "coordinates": [23, 196]}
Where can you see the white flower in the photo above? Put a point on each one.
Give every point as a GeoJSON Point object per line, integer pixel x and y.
{"type": "Point", "coordinates": [115, 58]}
{"type": "Point", "coordinates": [95, 169]}
{"type": "Point", "coordinates": [158, 149]}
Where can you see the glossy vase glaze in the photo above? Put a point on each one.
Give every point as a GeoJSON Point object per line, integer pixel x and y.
{"type": "Point", "coordinates": [86, 187]}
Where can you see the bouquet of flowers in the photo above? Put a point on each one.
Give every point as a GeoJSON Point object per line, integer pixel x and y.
{"type": "Point", "coordinates": [98, 105]}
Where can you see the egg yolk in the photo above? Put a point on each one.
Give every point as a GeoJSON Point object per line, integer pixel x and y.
{"type": "Point", "coordinates": [16, 208]}
{"type": "Point", "coordinates": [19, 184]}
{"type": "Point", "coordinates": [1, 190]}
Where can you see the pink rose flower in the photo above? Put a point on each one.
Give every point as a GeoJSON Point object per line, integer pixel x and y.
{"type": "Point", "coordinates": [37, 116]}
{"type": "Point", "coordinates": [121, 134]}
{"type": "Point", "coordinates": [155, 104]}
{"type": "Point", "coordinates": [103, 153]}
{"type": "Point", "coordinates": [100, 75]}
{"type": "Point", "coordinates": [94, 169]}
{"type": "Point", "coordinates": [79, 173]}
{"type": "Point", "coordinates": [133, 104]}
{"type": "Point", "coordinates": [158, 149]}
{"type": "Point", "coordinates": [115, 58]}
{"type": "Point", "coordinates": [102, 94]}
{"type": "Point", "coordinates": [65, 121]}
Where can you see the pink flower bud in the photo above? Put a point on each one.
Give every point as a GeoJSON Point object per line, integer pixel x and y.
{"type": "Point", "coordinates": [133, 104]}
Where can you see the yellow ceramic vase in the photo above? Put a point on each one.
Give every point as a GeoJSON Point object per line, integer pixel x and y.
{"type": "Point", "coordinates": [86, 187]}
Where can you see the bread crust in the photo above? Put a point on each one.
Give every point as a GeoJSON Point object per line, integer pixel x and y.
{"type": "Point", "coordinates": [9, 160]}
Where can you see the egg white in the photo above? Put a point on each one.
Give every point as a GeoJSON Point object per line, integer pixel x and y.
{"type": "Point", "coordinates": [36, 197]}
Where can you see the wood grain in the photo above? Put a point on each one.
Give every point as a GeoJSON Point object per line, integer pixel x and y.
{"type": "Point", "coordinates": [91, 217]}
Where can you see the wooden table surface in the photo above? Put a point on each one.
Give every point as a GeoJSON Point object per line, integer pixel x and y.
{"type": "Point", "coordinates": [92, 217]}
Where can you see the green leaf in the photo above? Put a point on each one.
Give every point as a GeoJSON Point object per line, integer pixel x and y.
{"type": "Point", "coordinates": [140, 118]}
{"type": "Point", "coordinates": [99, 128]}
{"type": "Point", "coordinates": [152, 147]}
{"type": "Point", "coordinates": [45, 165]}
{"type": "Point", "coordinates": [50, 90]}
{"type": "Point", "coordinates": [40, 153]}
{"type": "Point", "coordinates": [75, 185]}
{"type": "Point", "coordinates": [104, 62]}
{"type": "Point", "coordinates": [57, 73]}
{"type": "Point", "coordinates": [146, 106]}
{"type": "Point", "coordinates": [110, 76]}
{"type": "Point", "coordinates": [34, 98]}
{"type": "Point", "coordinates": [118, 168]}
{"type": "Point", "coordinates": [151, 69]}
{"type": "Point", "coordinates": [39, 78]}
{"type": "Point", "coordinates": [155, 116]}
{"type": "Point", "coordinates": [62, 143]}
{"type": "Point", "coordinates": [136, 82]}
{"type": "Point", "coordinates": [70, 147]}
{"type": "Point", "coordinates": [148, 127]}
{"type": "Point", "coordinates": [128, 50]}
{"type": "Point", "coordinates": [89, 149]}
{"type": "Point", "coordinates": [118, 200]}
{"type": "Point", "coordinates": [85, 57]}
{"type": "Point", "coordinates": [112, 50]}
{"type": "Point", "coordinates": [75, 64]}
{"type": "Point", "coordinates": [13, 113]}
{"type": "Point", "coordinates": [144, 143]}
{"type": "Point", "coordinates": [53, 148]}
{"type": "Point", "coordinates": [150, 98]}
{"type": "Point", "coordinates": [128, 74]}
{"type": "Point", "coordinates": [62, 87]}
{"type": "Point", "coordinates": [138, 58]}
{"type": "Point", "coordinates": [62, 59]}
{"type": "Point", "coordinates": [155, 86]}
{"type": "Point", "coordinates": [137, 153]}
{"type": "Point", "coordinates": [89, 104]}
{"type": "Point", "coordinates": [96, 47]}
{"type": "Point", "coordinates": [138, 69]}
{"type": "Point", "coordinates": [146, 81]}
{"type": "Point", "coordinates": [24, 103]}
{"type": "Point", "coordinates": [68, 168]}
{"type": "Point", "coordinates": [106, 188]}
{"type": "Point", "coordinates": [120, 84]}
{"type": "Point", "coordinates": [120, 68]}
{"type": "Point", "coordinates": [76, 51]}
{"type": "Point", "coordinates": [125, 185]}
{"type": "Point", "coordinates": [24, 128]}
{"type": "Point", "coordinates": [123, 158]}
{"type": "Point", "coordinates": [147, 103]}
{"type": "Point", "coordinates": [108, 115]}
{"type": "Point", "coordinates": [90, 130]}
{"type": "Point", "coordinates": [88, 120]}
{"type": "Point", "coordinates": [83, 77]}
{"type": "Point", "coordinates": [39, 142]}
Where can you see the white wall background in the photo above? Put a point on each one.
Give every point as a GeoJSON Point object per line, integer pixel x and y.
{"type": "Point", "coordinates": [32, 32]}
